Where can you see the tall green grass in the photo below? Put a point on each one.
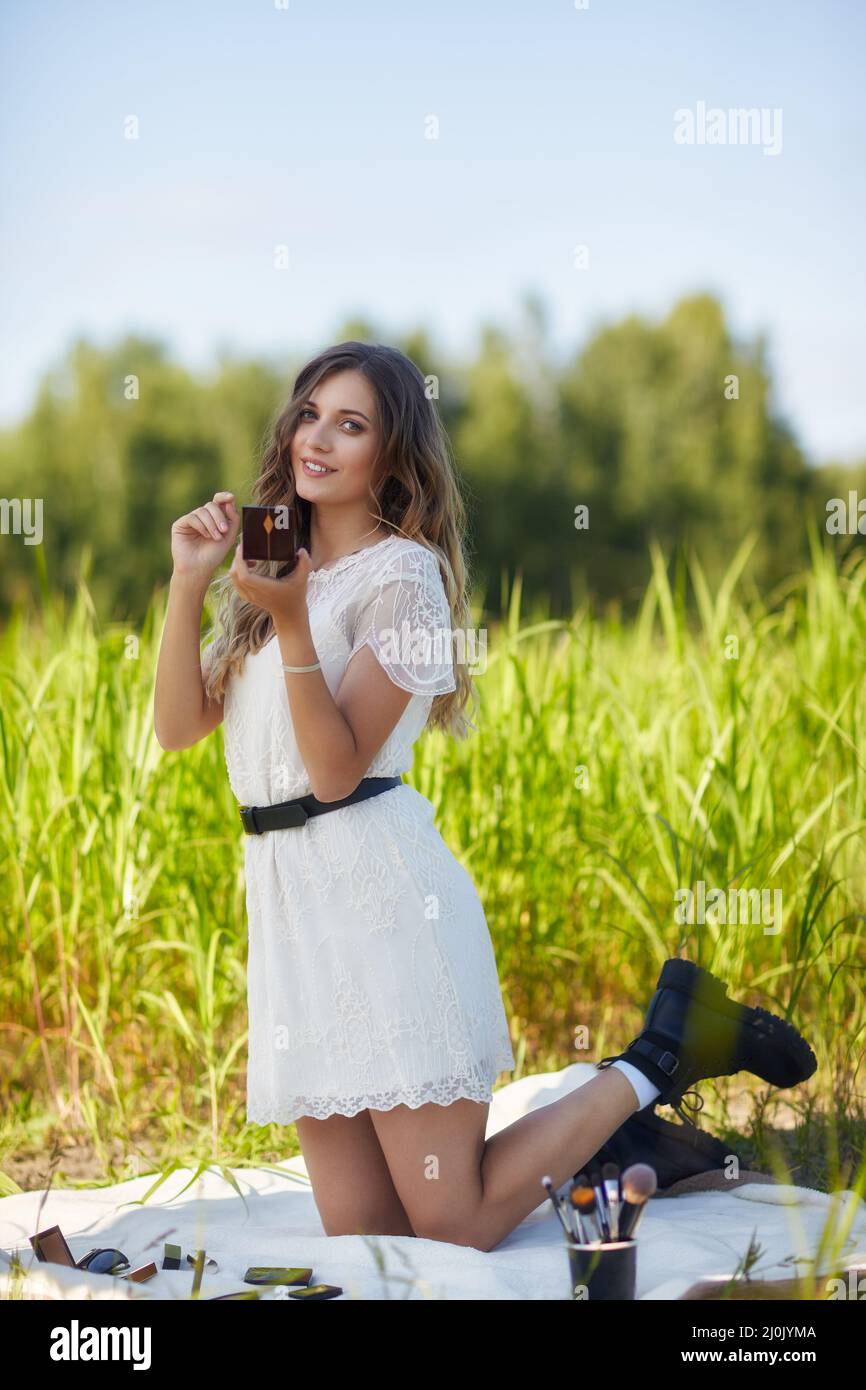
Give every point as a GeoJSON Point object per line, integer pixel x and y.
{"type": "Point", "coordinates": [123, 1007]}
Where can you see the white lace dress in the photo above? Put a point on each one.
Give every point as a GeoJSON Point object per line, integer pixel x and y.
{"type": "Point", "coordinates": [371, 977]}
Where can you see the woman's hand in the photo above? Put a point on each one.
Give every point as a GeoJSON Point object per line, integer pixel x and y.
{"type": "Point", "coordinates": [285, 599]}
{"type": "Point", "coordinates": [201, 540]}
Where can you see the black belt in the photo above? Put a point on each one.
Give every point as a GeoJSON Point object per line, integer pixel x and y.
{"type": "Point", "coordinates": [258, 819]}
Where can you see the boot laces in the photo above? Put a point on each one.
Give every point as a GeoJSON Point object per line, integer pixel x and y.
{"type": "Point", "coordinates": [680, 1107]}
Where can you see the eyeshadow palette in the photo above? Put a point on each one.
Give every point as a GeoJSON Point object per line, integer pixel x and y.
{"type": "Point", "coordinates": [270, 533]}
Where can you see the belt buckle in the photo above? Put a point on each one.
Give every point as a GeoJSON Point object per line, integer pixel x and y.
{"type": "Point", "coordinates": [296, 814]}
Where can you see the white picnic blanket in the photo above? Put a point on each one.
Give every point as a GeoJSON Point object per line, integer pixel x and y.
{"type": "Point", "coordinates": [275, 1222]}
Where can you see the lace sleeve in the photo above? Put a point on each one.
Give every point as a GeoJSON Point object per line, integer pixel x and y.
{"type": "Point", "coordinates": [405, 618]}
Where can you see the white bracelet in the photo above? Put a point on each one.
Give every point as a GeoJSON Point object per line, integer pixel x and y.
{"type": "Point", "coordinates": [301, 668]}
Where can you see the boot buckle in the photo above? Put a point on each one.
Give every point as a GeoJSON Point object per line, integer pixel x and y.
{"type": "Point", "coordinates": [668, 1063]}
{"type": "Point", "coordinates": [660, 1057]}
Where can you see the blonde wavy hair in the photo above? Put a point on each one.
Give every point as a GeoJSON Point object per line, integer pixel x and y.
{"type": "Point", "coordinates": [414, 491]}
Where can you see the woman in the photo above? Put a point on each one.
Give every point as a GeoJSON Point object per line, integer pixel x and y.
{"type": "Point", "coordinates": [376, 1022]}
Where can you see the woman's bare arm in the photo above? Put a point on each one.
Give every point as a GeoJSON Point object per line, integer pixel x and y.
{"type": "Point", "coordinates": [182, 713]}
{"type": "Point", "coordinates": [338, 736]}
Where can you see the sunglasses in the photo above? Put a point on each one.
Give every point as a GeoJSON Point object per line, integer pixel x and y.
{"type": "Point", "coordinates": [106, 1261]}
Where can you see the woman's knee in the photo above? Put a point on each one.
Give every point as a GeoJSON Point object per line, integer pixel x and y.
{"type": "Point", "coordinates": [444, 1226]}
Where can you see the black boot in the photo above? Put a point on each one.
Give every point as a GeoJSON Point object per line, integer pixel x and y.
{"type": "Point", "coordinates": [693, 1031]}
{"type": "Point", "coordinates": [673, 1151]}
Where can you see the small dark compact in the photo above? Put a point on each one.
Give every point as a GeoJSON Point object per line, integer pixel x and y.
{"type": "Point", "coordinates": [269, 1274]}
{"type": "Point", "coordinates": [270, 533]}
{"type": "Point", "coordinates": [317, 1291]}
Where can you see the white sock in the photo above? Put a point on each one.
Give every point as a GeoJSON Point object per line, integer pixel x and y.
{"type": "Point", "coordinates": [642, 1086]}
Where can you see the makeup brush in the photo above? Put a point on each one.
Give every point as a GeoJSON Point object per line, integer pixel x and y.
{"type": "Point", "coordinates": [601, 1203]}
{"type": "Point", "coordinates": [610, 1178]}
{"type": "Point", "coordinates": [584, 1203]}
{"type": "Point", "coordinates": [583, 1236]}
{"type": "Point", "coordinates": [639, 1182]}
{"type": "Point", "coordinates": [559, 1208]}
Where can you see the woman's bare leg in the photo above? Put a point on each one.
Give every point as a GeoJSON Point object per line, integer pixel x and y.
{"type": "Point", "coordinates": [456, 1186]}
{"type": "Point", "coordinates": [352, 1187]}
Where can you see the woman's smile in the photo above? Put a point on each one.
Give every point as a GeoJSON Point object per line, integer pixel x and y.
{"type": "Point", "coordinates": [316, 470]}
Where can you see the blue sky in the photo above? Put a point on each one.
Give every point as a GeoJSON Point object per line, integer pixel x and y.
{"type": "Point", "coordinates": [304, 126]}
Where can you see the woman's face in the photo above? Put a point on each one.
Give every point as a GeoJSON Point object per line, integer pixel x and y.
{"type": "Point", "coordinates": [337, 428]}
